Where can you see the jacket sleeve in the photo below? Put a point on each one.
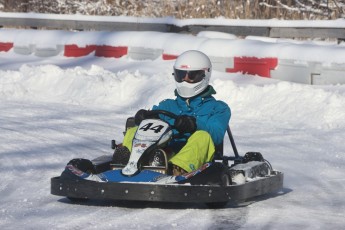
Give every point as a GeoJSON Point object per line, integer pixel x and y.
{"type": "Point", "coordinates": [217, 122]}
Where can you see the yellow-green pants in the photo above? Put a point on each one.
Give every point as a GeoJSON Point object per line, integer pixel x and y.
{"type": "Point", "coordinates": [198, 150]}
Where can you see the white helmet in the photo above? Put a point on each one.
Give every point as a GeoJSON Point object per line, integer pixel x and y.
{"type": "Point", "coordinates": [198, 67]}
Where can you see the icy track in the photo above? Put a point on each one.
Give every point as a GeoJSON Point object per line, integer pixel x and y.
{"type": "Point", "coordinates": [57, 109]}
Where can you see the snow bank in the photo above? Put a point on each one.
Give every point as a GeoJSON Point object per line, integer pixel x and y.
{"type": "Point", "coordinates": [77, 85]}
{"type": "Point", "coordinates": [280, 102]}
{"type": "Point", "coordinates": [285, 102]}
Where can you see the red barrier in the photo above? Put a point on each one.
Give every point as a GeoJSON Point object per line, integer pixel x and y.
{"type": "Point", "coordinates": [5, 46]}
{"type": "Point", "coordinates": [254, 66]}
{"type": "Point", "coordinates": [169, 56]}
{"type": "Point", "coordinates": [76, 51]}
{"type": "Point", "coordinates": [111, 51]}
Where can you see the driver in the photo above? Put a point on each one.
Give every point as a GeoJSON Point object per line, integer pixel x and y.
{"type": "Point", "coordinates": [202, 119]}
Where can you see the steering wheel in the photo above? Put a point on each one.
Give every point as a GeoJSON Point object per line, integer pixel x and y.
{"type": "Point", "coordinates": [154, 113]}
{"type": "Point", "coordinates": [161, 112]}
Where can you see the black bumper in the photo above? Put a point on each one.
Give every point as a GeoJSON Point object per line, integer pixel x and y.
{"type": "Point", "coordinates": [166, 192]}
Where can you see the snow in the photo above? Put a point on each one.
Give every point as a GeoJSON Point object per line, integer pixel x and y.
{"type": "Point", "coordinates": [55, 109]}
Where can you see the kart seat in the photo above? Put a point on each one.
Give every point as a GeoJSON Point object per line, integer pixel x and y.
{"type": "Point", "coordinates": [218, 155]}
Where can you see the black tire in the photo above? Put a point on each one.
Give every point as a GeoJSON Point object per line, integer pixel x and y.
{"type": "Point", "coordinates": [84, 165]}
{"type": "Point", "coordinates": [252, 156]}
{"type": "Point", "coordinates": [226, 179]}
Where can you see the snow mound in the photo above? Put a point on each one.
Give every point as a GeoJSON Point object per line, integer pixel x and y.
{"type": "Point", "coordinates": [280, 102]}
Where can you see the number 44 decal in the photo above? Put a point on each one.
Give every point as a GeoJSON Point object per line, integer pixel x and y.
{"type": "Point", "coordinates": [148, 126]}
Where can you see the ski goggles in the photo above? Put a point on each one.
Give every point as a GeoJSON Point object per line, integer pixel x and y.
{"type": "Point", "coordinates": [194, 76]}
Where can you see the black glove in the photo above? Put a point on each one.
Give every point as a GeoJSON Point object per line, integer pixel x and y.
{"type": "Point", "coordinates": [140, 115]}
{"type": "Point", "coordinates": [185, 124]}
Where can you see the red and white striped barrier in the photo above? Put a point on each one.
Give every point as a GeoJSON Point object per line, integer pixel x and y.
{"type": "Point", "coordinates": [270, 63]}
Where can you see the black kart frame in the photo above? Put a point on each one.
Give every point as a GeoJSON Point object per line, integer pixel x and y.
{"type": "Point", "coordinates": [79, 189]}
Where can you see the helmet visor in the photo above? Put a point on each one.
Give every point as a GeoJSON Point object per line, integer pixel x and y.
{"type": "Point", "coordinates": [192, 76]}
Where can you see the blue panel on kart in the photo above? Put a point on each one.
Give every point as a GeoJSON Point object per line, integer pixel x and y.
{"type": "Point", "coordinates": [143, 176]}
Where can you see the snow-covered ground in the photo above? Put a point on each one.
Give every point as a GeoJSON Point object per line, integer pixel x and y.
{"type": "Point", "coordinates": [55, 109]}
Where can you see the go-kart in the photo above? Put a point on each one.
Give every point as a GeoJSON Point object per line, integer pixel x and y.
{"type": "Point", "coordinates": [225, 179]}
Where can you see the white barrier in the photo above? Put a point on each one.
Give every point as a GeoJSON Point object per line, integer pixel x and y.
{"type": "Point", "coordinates": [48, 51]}
{"type": "Point", "coordinates": [24, 49]}
{"type": "Point", "coordinates": [294, 71]}
{"type": "Point", "coordinates": [140, 53]}
{"type": "Point", "coordinates": [222, 63]}
{"type": "Point", "coordinates": [333, 74]}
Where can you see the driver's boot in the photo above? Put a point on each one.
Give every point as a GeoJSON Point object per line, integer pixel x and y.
{"type": "Point", "coordinates": [121, 155]}
{"type": "Point", "coordinates": [176, 170]}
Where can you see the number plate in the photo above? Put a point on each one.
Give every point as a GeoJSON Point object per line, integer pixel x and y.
{"type": "Point", "coordinates": [151, 130]}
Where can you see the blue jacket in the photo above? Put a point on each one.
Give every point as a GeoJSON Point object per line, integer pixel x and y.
{"type": "Point", "coordinates": [211, 115]}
